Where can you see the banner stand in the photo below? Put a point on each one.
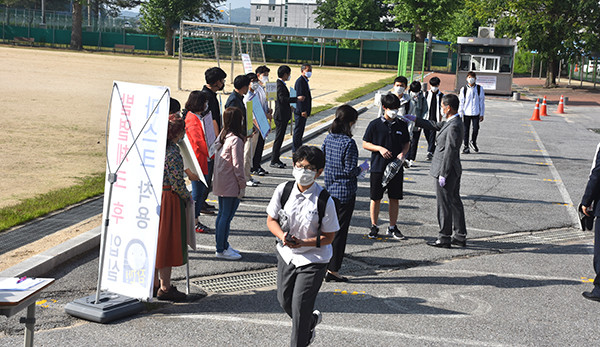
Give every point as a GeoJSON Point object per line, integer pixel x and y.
{"type": "Point", "coordinates": [107, 307]}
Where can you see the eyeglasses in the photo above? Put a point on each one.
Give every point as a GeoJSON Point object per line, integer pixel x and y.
{"type": "Point", "coordinates": [306, 167]}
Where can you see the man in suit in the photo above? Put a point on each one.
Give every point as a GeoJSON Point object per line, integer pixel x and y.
{"type": "Point", "coordinates": [589, 206]}
{"type": "Point", "coordinates": [434, 100]}
{"type": "Point", "coordinates": [303, 105]}
{"type": "Point", "coordinates": [446, 169]}
{"type": "Point", "coordinates": [283, 113]}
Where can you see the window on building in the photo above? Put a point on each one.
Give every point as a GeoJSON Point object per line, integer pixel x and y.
{"type": "Point", "coordinates": [272, 8]}
{"type": "Point", "coordinates": [257, 18]}
{"type": "Point", "coordinates": [271, 19]}
{"type": "Point", "coordinates": [258, 7]}
{"type": "Point", "coordinates": [485, 63]}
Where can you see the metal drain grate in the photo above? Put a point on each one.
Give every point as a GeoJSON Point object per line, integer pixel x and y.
{"type": "Point", "coordinates": [237, 283]}
{"type": "Point", "coordinates": [542, 237]}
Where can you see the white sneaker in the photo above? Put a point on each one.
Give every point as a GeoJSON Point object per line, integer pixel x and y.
{"type": "Point", "coordinates": [410, 163]}
{"type": "Point", "coordinates": [233, 250]}
{"type": "Point", "coordinates": [313, 330]}
{"type": "Point", "coordinates": [251, 183]}
{"type": "Point", "coordinates": [228, 254]}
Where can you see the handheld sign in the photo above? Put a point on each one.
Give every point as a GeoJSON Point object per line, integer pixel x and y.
{"type": "Point", "coordinates": [261, 119]}
{"type": "Point", "coordinates": [249, 118]}
{"type": "Point", "coordinates": [293, 94]}
{"type": "Point", "coordinates": [189, 159]}
{"type": "Point", "coordinates": [247, 63]}
{"type": "Point", "coordinates": [271, 89]}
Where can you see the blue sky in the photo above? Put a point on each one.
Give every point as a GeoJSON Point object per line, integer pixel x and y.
{"type": "Point", "coordinates": [238, 3]}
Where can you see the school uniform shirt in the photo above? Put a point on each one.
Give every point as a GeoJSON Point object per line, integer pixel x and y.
{"type": "Point", "coordinates": [341, 158]}
{"type": "Point", "coordinates": [391, 135]}
{"type": "Point", "coordinates": [472, 103]}
{"type": "Point", "coordinates": [301, 209]}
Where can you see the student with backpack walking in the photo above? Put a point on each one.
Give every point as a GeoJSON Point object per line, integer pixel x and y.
{"type": "Point", "coordinates": [471, 109]}
{"type": "Point", "coordinates": [302, 216]}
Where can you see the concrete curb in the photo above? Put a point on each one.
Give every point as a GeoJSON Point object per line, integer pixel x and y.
{"type": "Point", "coordinates": [42, 263]}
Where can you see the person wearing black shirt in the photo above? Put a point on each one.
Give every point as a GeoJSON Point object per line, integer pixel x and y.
{"type": "Point", "coordinates": [387, 139]}
{"type": "Point", "coordinates": [434, 100]}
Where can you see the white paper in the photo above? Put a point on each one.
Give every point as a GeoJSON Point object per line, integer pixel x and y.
{"type": "Point", "coordinates": [26, 284]}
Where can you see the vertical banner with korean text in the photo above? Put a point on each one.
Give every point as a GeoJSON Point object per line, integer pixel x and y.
{"type": "Point", "coordinates": [136, 112]}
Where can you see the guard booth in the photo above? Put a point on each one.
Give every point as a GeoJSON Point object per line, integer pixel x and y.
{"type": "Point", "coordinates": [491, 59]}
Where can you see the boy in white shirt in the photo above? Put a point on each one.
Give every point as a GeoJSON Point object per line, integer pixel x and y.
{"type": "Point", "coordinates": [471, 109]}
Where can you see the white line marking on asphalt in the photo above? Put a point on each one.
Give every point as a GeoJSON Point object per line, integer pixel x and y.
{"type": "Point", "coordinates": [336, 329]}
{"type": "Point", "coordinates": [559, 182]}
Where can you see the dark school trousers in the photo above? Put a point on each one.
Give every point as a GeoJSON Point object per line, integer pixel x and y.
{"type": "Point", "coordinates": [344, 213]}
{"type": "Point", "coordinates": [280, 127]}
{"type": "Point", "coordinates": [414, 145]}
{"type": "Point", "coordinates": [467, 120]}
{"type": "Point", "coordinates": [258, 152]}
{"type": "Point", "coordinates": [450, 210]}
{"type": "Point", "coordinates": [430, 136]}
{"type": "Point", "coordinates": [299, 125]}
{"type": "Point", "coordinates": [297, 289]}
{"type": "Point", "coordinates": [596, 290]}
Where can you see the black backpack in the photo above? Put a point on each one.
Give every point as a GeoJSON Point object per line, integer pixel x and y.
{"type": "Point", "coordinates": [465, 90]}
{"type": "Point", "coordinates": [321, 204]}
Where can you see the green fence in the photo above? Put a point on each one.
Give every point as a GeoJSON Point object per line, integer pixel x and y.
{"type": "Point", "coordinates": [409, 57]}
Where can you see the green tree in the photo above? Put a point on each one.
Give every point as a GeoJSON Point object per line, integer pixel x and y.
{"type": "Point", "coordinates": [162, 16]}
{"type": "Point", "coordinates": [424, 16]}
{"type": "Point", "coordinates": [556, 29]}
{"type": "Point", "coordinates": [326, 14]}
{"type": "Point", "coordinates": [358, 15]}
{"type": "Point", "coordinates": [463, 23]}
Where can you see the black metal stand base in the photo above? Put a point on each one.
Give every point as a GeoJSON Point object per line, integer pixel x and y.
{"type": "Point", "coordinates": [110, 307]}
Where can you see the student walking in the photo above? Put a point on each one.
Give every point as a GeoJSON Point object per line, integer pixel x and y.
{"type": "Point", "coordinates": [262, 72]}
{"type": "Point", "coordinates": [471, 109]}
{"type": "Point", "coordinates": [304, 248]}
{"type": "Point", "coordinates": [434, 100]}
{"type": "Point", "coordinates": [418, 107]}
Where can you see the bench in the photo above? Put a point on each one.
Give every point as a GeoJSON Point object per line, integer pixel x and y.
{"type": "Point", "coordinates": [21, 39]}
{"type": "Point", "coordinates": [124, 48]}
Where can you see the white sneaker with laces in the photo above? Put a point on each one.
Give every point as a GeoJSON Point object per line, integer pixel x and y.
{"type": "Point", "coordinates": [228, 254]}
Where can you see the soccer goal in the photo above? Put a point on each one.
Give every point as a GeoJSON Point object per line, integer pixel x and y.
{"type": "Point", "coordinates": [215, 43]}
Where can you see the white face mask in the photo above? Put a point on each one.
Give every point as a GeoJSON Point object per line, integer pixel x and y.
{"type": "Point", "coordinates": [264, 79]}
{"type": "Point", "coordinates": [414, 94]}
{"type": "Point", "coordinates": [398, 90]}
{"type": "Point", "coordinates": [304, 177]}
{"type": "Point", "coordinates": [471, 80]}
{"type": "Point", "coordinates": [434, 89]}
{"type": "Point", "coordinates": [254, 86]}
{"type": "Point", "coordinates": [308, 74]}
{"type": "Point", "coordinates": [391, 113]}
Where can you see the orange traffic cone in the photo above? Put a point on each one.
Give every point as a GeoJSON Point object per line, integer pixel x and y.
{"type": "Point", "coordinates": [543, 110]}
{"type": "Point", "coordinates": [536, 111]}
{"type": "Point", "coordinates": [576, 69]}
{"type": "Point", "coordinates": [561, 106]}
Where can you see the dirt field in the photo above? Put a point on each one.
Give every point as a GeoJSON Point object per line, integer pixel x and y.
{"type": "Point", "coordinates": [54, 106]}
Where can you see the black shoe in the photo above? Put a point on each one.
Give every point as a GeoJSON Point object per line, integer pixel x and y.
{"type": "Point", "coordinates": [262, 172]}
{"type": "Point", "coordinates": [466, 150]}
{"type": "Point", "coordinates": [172, 295]}
{"type": "Point", "coordinates": [208, 207]}
{"type": "Point", "coordinates": [373, 233]}
{"type": "Point", "coordinates": [278, 165]}
{"type": "Point", "coordinates": [439, 244]}
{"type": "Point", "coordinates": [331, 277]}
{"type": "Point", "coordinates": [474, 146]}
{"type": "Point", "coordinates": [457, 242]}
{"type": "Point", "coordinates": [254, 171]}
{"type": "Point", "coordinates": [429, 156]}
{"type": "Point", "coordinates": [590, 296]}
{"type": "Point", "coordinates": [395, 233]}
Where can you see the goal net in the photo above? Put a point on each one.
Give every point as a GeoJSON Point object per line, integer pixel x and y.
{"type": "Point", "coordinates": [204, 45]}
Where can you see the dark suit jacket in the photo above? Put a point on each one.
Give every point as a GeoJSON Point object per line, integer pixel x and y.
{"type": "Point", "coordinates": [446, 158]}
{"type": "Point", "coordinates": [283, 110]}
{"type": "Point", "coordinates": [592, 189]}
{"type": "Point", "coordinates": [303, 89]}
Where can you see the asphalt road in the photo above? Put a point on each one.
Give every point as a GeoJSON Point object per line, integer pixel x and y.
{"type": "Point", "coordinates": [518, 282]}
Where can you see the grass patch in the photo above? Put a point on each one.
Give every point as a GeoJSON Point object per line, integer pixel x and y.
{"type": "Point", "coordinates": [43, 204]}
{"type": "Point", "coordinates": [364, 90]}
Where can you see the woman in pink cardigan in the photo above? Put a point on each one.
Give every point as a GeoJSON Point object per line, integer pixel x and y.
{"type": "Point", "coordinates": [229, 182]}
